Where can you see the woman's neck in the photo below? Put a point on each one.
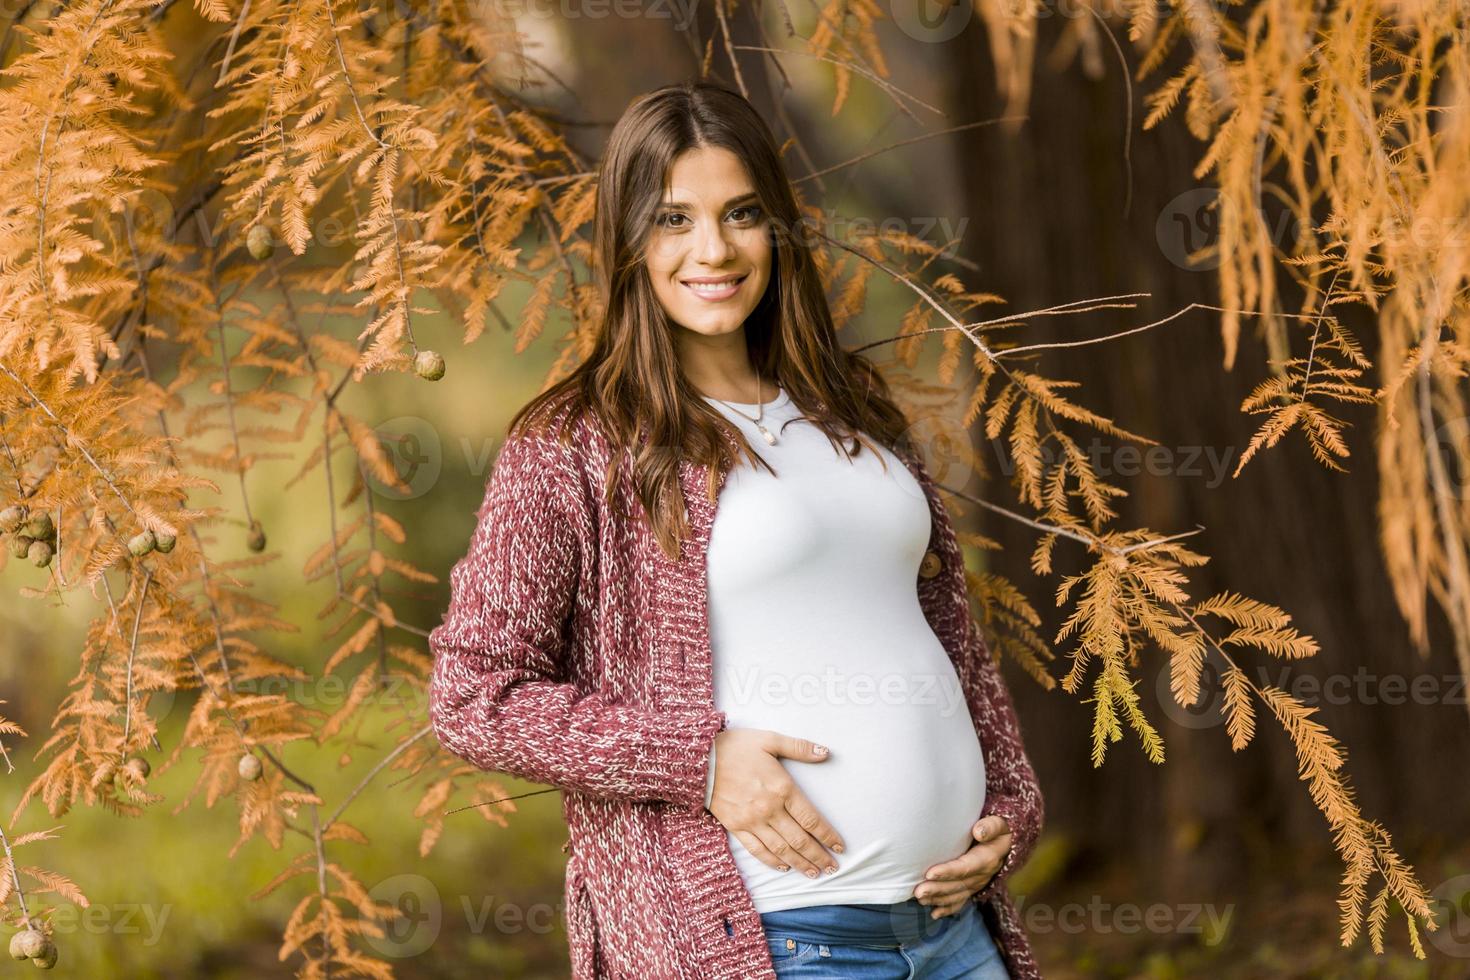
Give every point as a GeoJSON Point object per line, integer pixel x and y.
{"type": "Point", "coordinates": [720, 368]}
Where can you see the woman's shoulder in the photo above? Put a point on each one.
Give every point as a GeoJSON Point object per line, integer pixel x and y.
{"type": "Point", "coordinates": [554, 447]}
{"type": "Point", "coordinates": [555, 420]}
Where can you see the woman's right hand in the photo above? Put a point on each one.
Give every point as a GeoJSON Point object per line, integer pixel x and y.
{"type": "Point", "coordinates": [756, 799]}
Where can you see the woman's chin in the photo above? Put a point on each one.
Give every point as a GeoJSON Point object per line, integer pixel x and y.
{"type": "Point", "coordinates": [712, 324]}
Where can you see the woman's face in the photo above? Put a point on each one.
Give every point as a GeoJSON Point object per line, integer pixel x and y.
{"type": "Point", "coordinates": [709, 226]}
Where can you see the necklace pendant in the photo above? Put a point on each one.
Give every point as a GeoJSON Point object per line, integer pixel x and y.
{"type": "Point", "coordinates": [767, 434]}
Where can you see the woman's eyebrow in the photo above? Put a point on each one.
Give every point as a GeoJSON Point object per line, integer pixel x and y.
{"type": "Point", "coordinates": [684, 205]}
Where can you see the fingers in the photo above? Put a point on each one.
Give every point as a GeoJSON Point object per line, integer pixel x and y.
{"type": "Point", "coordinates": [760, 851]}
{"type": "Point", "coordinates": [790, 747]}
{"type": "Point", "coordinates": [982, 858]}
{"type": "Point", "coordinates": [949, 885]}
{"type": "Point", "coordinates": [777, 824]}
{"type": "Point", "coordinates": [949, 896]}
{"type": "Point", "coordinates": [811, 820]}
{"type": "Point", "coordinates": [807, 855]}
{"type": "Point", "coordinates": [790, 844]}
{"type": "Point", "coordinates": [783, 839]}
{"type": "Point", "coordinates": [991, 828]}
{"type": "Point", "coordinates": [774, 838]}
{"type": "Point", "coordinates": [940, 893]}
{"type": "Point", "coordinates": [949, 908]}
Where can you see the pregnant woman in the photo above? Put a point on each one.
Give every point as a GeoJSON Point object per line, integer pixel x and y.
{"type": "Point", "coordinates": [714, 596]}
{"type": "Point", "coordinates": [817, 629]}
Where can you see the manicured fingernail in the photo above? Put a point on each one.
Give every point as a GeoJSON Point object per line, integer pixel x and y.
{"type": "Point", "coordinates": [832, 869]}
{"type": "Point", "coordinates": [811, 872]}
{"type": "Point", "coordinates": [785, 867]}
{"type": "Point", "coordinates": [820, 750]}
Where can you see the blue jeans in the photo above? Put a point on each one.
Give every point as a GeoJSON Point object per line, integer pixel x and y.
{"type": "Point", "coordinates": [881, 942]}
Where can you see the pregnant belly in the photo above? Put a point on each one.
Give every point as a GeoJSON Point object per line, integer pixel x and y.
{"type": "Point", "coordinates": [903, 786]}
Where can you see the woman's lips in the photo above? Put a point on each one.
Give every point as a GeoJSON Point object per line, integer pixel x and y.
{"type": "Point", "coordinates": [712, 295]}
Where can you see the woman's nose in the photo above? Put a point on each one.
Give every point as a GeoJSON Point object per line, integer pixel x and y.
{"type": "Point", "coordinates": [714, 248]}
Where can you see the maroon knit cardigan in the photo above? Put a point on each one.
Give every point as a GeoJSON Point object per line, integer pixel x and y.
{"type": "Point", "coordinates": [575, 653]}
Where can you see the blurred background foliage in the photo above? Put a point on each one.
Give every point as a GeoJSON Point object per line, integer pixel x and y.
{"type": "Point", "coordinates": [1229, 843]}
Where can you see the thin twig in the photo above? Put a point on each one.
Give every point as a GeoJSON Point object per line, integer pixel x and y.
{"type": "Point", "coordinates": [224, 357]}
{"type": "Point", "coordinates": [503, 799]}
{"type": "Point", "coordinates": [116, 624]}
{"type": "Point", "coordinates": [729, 49]}
{"type": "Point", "coordinates": [1092, 542]}
{"type": "Point", "coordinates": [906, 142]}
{"type": "Point", "coordinates": [382, 764]}
{"type": "Point", "coordinates": [224, 68]}
{"type": "Point", "coordinates": [132, 653]}
{"type": "Point", "coordinates": [1316, 331]}
{"type": "Point", "coordinates": [384, 149]}
{"type": "Point", "coordinates": [43, 188]}
{"type": "Point", "coordinates": [882, 83]}
{"type": "Point", "coordinates": [1127, 105]}
{"type": "Point", "coordinates": [321, 885]}
{"type": "Point", "coordinates": [20, 895]}
{"type": "Point", "coordinates": [81, 447]}
{"type": "Point", "coordinates": [1148, 326]}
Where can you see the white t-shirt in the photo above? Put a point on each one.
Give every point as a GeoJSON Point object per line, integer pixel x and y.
{"type": "Point", "coordinates": [817, 632]}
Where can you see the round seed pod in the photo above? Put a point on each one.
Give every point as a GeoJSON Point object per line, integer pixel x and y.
{"type": "Point", "coordinates": [20, 545]}
{"type": "Point", "coordinates": [11, 518]}
{"type": "Point", "coordinates": [258, 241]}
{"type": "Point", "coordinates": [142, 543]}
{"type": "Point", "coordinates": [138, 766]}
{"type": "Point", "coordinates": [46, 958]}
{"type": "Point", "coordinates": [39, 526]}
{"type": "Point", "coordinates": [164, 542]}
{"type": "Point", "coordinates": [40, 553]}
{"type": "Point", "coordinates": [27, 943]}
{"type": "Point", "coordinates": [428, 365]}
{"type": "Point", "coordinates": [256, 539]}
{"type": "Point", "coordinates": [249, 767]}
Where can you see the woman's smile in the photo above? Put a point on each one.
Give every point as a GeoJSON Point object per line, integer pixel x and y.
{"type": "Point", "coordinates": [714, 290]}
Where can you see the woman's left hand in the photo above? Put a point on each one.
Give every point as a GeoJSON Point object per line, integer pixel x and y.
{"type": "Point", "coordinates": [948, 886]}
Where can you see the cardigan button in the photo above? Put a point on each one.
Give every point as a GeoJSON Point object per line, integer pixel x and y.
{"type": "Point", "coordinates": [930, 566]}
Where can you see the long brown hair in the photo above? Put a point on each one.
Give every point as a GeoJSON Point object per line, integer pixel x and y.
{"type": "Point", "coordinates": [632, 381]}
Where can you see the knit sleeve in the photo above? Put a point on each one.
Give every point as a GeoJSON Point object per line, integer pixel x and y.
{"type": "Point", "coordinates": [499, 694]}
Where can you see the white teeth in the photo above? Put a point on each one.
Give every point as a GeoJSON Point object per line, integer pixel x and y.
{"type": "Point", "coordinates": [704, 287]}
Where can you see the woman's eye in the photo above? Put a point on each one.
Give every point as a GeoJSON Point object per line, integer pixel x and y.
{"type": "Point", "coordinates": [666, 220]}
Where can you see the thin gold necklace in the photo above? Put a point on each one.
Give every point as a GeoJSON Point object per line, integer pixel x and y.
{"type": "Point", "coordinates": [760, 408]}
